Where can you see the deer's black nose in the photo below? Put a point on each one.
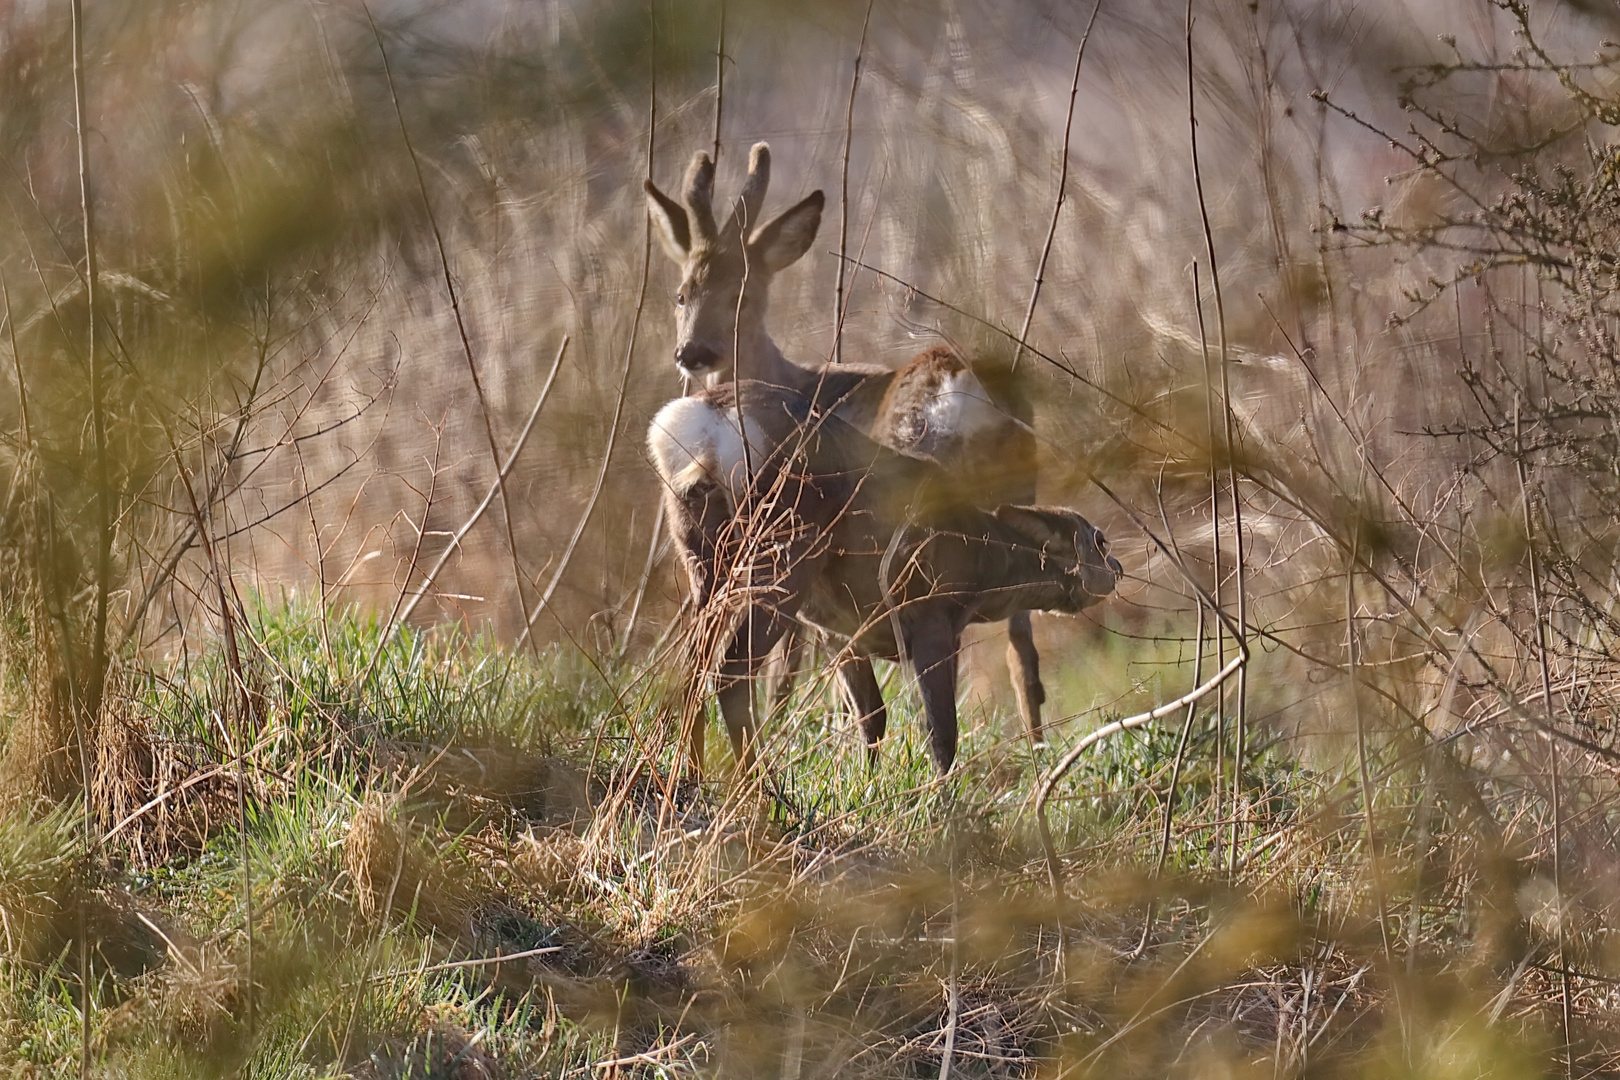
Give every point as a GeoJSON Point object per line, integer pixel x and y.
{"type": "Point", "coordinates": [694, 357]}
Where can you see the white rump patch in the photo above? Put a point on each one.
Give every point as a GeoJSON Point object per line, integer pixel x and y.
{"type": "Point", "coordinates": [956, 414]}
{"type": "Point", "coordinates": [692, 440]}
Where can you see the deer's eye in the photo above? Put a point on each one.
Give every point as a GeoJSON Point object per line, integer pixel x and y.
{"type": "Point", "coordinates": [680, 299]}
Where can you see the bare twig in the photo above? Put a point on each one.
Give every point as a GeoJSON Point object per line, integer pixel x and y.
{"type": "Point", "coordinates": [719, 80]}
{"type": "Point", "coordinates": [1231, 462]}
{"type": "Point", "coordinates": [624, 379]}
{"type": "Point", "coordinates": [237, 733]}
{"type": "Point", "coordinates": [843, 192]}
{"type": "Point", "coordinates": [455, 306]}
{"type": "Point", "coordinates": [1044, 792]}
{"type": "Point", "coordinates": [426, 583]}
{"type": "Point", "coordinates": [1552, 746]}
{"type": "Point", "coordinates": [182, 544]}
{"type": "Point", "coordinates": [416, 548]}
{"type": "Point", "coordinates": [1067, 369]}
{"type": "Point", "coordinates": [1062, 190]}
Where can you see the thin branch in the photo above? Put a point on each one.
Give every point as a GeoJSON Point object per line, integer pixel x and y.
{"type": "Point", "coordinates": [1552, 746]}
{"type": "Point", "coordinates": [1226, 407]}
{"type": "Point", "coordinates": [719, 79]}
{"type": "Point", "coordinates": [1062, 190]}
{"type": "Point", "coordinates": [1050, 781]}
{"type": "Point", "coordinates": [843, 192]}
{"type": "Point", "coordinates": [432, 575]}
{"type": "Point", "coordinates": [455, 307]}
{"type": "Point", "coordinates": [1135, 409]}
{"type": "Point", "coordinates": [624, 380]}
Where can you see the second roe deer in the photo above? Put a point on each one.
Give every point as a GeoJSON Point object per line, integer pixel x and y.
{"type": "Point", "coordinates": [974, 423]}
{"type": "Point", "coordinates": [772, 498]}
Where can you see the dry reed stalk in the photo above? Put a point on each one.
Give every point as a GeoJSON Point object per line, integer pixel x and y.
{"type": "Point", "coordinates": [1553, 779]}
{"type": "Point", "coordinates": [719, 80]}
{"type": "Point", "coordinates": [1218, 587]}
{"type": "Point", "coordinates": [1230, 450]}
{"type": "Point", "coordinates": [91, 708]}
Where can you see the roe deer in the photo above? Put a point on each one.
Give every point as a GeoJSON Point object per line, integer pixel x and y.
{"type": "Point", "coordinates": [773, 498]}
{"type": "Point", "coordinates": [973, 422]}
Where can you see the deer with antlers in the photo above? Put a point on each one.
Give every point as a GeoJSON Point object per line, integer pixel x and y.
{"type": "Point", "coordinates": [936, 406]}
{"type": "Point", "coordinates": [776, 501]}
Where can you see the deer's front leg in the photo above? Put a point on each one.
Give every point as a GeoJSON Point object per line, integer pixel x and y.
{"type": "Point", "coordinates": [932, 641]}
{"type": "Point", "coordinates": [865, 701]}
{"type": "Point", "coordinates": [698, 519]}
{"type": "Point", "coordinates": [761, 627]}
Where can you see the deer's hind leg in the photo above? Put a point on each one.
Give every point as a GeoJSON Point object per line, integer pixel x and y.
{"type": "Point", "coordinates": [933, 643]}
{"type": "Point", "coordinates": [1024, 665]}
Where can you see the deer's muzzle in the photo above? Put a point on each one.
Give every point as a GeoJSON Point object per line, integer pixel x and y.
{"type": "Point", "coordinates": [694, 357]}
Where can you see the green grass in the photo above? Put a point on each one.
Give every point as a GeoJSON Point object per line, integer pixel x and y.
{"type": "Point", "coordinates": [419, 803]}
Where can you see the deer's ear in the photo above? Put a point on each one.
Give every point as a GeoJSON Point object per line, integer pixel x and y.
{"type": "Point", "coordinates": [674, 232]}
{"type": "Point", "coordinates": [780, 242]}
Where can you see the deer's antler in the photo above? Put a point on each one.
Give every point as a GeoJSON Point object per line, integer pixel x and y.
{"type": "Point", "coordinates": [699, 198]}
{"type": "Point", "coordinates": [745, 212]}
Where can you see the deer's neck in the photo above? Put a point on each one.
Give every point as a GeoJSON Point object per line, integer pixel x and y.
{"type": "Point", "coordinates": [759, 358]}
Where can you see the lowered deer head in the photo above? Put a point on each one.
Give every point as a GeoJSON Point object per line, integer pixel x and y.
{"type": "Point", "coordinates": [726, 271]}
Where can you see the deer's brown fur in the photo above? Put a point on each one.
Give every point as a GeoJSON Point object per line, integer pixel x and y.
{"type": "Point", "coordinates": [937, 405]}
{"type": "Point", "coordinates": [817, 522]}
